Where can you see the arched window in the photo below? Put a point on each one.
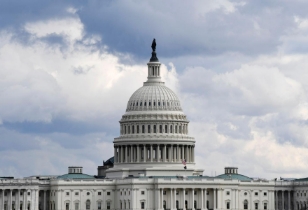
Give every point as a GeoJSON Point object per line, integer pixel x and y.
{"type": "Point", "coordinates": [245, 204]}
{"type": "Point", "coordinates": [149, 128]}
{"type": "Point", "coordinates": [160, 129]}
{"type": "Point", "coordinates": [143, 130]}
{"type": "Point", "coordinates": [88, 204]}
{"type": "Point", "coordinates": [137, 104]}
{"type": "Point", "coordinates": [149, 103]}
{"type": "Point", "coordinates": [108, 205]}
{"type": "Point", "coordinates": [158, 103]}
{"type": "Point", "coordinates": [99, 205]}
{"type": "Point", "coordinates": [164, 204]}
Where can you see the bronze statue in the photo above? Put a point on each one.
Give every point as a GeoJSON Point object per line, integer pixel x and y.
{"type": "Point", "coordinates": [153, 45]}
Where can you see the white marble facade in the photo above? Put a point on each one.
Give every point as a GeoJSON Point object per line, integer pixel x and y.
{"type": "Point", "coordinates": [148, 169]}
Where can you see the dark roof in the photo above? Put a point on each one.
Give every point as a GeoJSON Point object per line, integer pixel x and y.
{"type": "Point", "coordinates": [301, 179]}
{"type": "Point", "coordinates": [234, 176]}
{"type": "Point", "coordinates": [109, 161]}
{"type": "Point", "coordinates": [75, 176]}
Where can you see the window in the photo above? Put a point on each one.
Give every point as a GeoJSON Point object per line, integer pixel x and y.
{"type": "Point", "coordinates": [265, 206]}
{"type": "Point", "coordinates": [154, 129]}
{"type": "Point", "coordinates": [67, 193]}
{"type": "Point", "coordinates": [88, 204]}
{"type": "Point", "coordinates": [133, 129]}
{"type": "Point", "coordinates": [265, 194]}
{"type": "Point", "coordinates": [142, 192]}
{"type": "Point", "coordinates": [149, 103]}
{"type": "Point", "coordinates": [145, 103]}
{"type": "Point", "coordinates": [256, 193]}
{"type": "Point", "coordinates": [142, 205]}
{"type": "Point", "coordinates": [186, 192]}
{"type": "Point", "coordinates": [108, 205]}
{"type": "Point", "coordinates": [256, 205]}
{"type": "Point", "coordinates": [149, 128]}
{"type": "Point", "coordinates": [143, 130]}
{"type": "Point", "coordinates": [195, 204]}
{"type": "Point", "coordinates": [176, 129]}
{"type": "Point", "coordinates": [207, 204]}
{"type": "Point", "coordinates": [121, 193]}
{"type": "Point", "coordinates": [165, 192]}
{"type": "Point", "coordinates": [140, 103]}
{"type": "Point", "coordinates": [228, 192]}
{"type": "Point", "coordinates": [195, 192]}
{"type": "Point", "coordinates": [76, 206]}
{"type": "Point", "coordinates": [28, 193]}
{"type": "Point", "coordinates": [177, 192]}
{"type": "Point", "coordinates": [245, 204]}
{"type": "Point", "coordinates": [108, 193]}
{"type": "Point", "coordinates": [159, 103]}
{"type": "Point", "coordinates": [137, 128]}
{"type": "Point", "coordinates": [154, 103]}
{"type": "Point", "coordinates": [207, 192]}
{"type": "Point", "coordinates": [99, 205]}
{"type": "Point", "coordinates": [88, 193]}
{"type": "Point", "coordinates": [177, 204]}
{"type": "Point", "coordinates": [228, 205]}
{"type": "Point", "coordinates": [166, 128]}
{"type": "Point", "coordinates": [170, 128]}
{"type": "Point", "coordinates": [160, 128]}
{"type": "Point", "coordinates": [76, 193]}
{"type": "Point", "coordinates": [99, 193]}
{"type": "Point", "coordinates": [245, 193]}
{"type": "Point", "coordinates": [67, 206]}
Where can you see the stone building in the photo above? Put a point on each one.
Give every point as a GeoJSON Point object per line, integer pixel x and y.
{"type": "Point", "coordinates": [153, 168]}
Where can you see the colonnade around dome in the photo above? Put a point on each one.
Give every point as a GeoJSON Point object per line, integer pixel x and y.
{"type": "Point", "coordinates": [149, 153]}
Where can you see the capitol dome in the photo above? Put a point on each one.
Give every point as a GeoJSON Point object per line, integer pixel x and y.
{"type": "Point", "coordinates": [154, 97]}
{"type": "Point", "coordinates": [153, 132]}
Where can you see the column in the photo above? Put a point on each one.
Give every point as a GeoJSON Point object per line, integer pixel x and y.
{"type": "Point", "coordinates": [205, 198]}
{"type": "Point", "coordinates": [193, 154]}
{"type": "Point", "coordinates": [186, 151]}
{"type": "Point", "coordinates": [138, 153]}
{"type": "Point", "coordinates": [126, 154]}
{"type": "Point", "coordinates": [36, 203]}
{"type": "Point", "coordinates": [2, 198]}
{"type": "Point", "coordinates": [175, 199]}
{"type": "Point", "coordinates": [162, 198]}
{"type": "Point", "coordinates": [202, 201]}
{"type": "Point", "coordinates": [131, 153]}
{"type": "Point", "coordinates": [25, 203]}
{"type": "Point", "coordinates": [44, 204]}
{"type": "Point", "coordinates": [183, 152]}
{"type": "Point", "coordinates": [171, 153]}
{"type": "Point", "coordinates": [164, 155]}
{"type": "Point", "coordinates": [144, 157]}
{"type": "Point", "coordinates": [276, 199]}
{"type": "Point", "coordinates": [171, 198]}
{"type": "Point", "coordinates": [10, 200]}
{"type": "Point", "coordinates": [178, 153]}
{"type": "Point", "coordinates": [115, 154]}
{"type": "Point", "coordinates": [18, 200]}
{"type": "Point", "coordinates": [157, 153]}
{"type": "Point", "coordinates": [184, 199]}
{"type": "Point", "coordinates": [151, 152]}
{"type": "Point", "coordinates": [289, 200]}
{"type": "Point", "coordinates": [282, 199]}
{"type": "Point", "coordinates": [233, 199]}
{"type": "Point", "coordinates": [214, 192]}
{"type": "Point", "coordinates": [193, 199]}
{"type": "Point", "coordinates": [119, 154]}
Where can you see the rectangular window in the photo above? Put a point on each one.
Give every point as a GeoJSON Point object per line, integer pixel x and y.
{"type": "Point", "coordinates": [256, 205]}
{"type": "Point", "coordinates": [265, 206]}
{"type": "Point", "coordinates": [67, 206]}
{"type": "Point", "coordinates": [99, 205]}
{"type": "Point", "coordinates": [207, 192]}
{"type": "Point", "coordinates": [256, 193]}
{"type": "Point", "coordinates": [165, 192]}
{"type": "Point", "coordinates": [143, 130]}
{"type": "Point", "coordinates": [177, 192]}
{"type": "Point", "coordinates": [149, 128]}
{"type": "Point", "coordinates": [160, 128]}
{"type": "Point", "coordinates": [166, 128]}
{"type": "Point", "coordinates": [137, 128]}
{"type": "Point", "coordinates": [228, 192]}
{"type": "Point", "coordinates": [67, 193]}
{"type": "Point", "coordinates": [265, 194]}
{"type": "Point", "coordinates": [142, 192]}
{"type": "Point", "coordinates": [108, 205]}
{"type": "Point", "coordinates": [195, 192]}
{"type": "Point", "coordinates": [76, 193]}
{"type": "Point", "coordinates": [99, 193]}
{"type": "Point", "coordinates": [108, 193]}
{"type": "Point", "coordinates": [142, 205]}
{"type": "Point", "coordinates": [154, 129]}
{"type": "Point", "coordinates": [76, 206]}
{"type": "Point", "coordinates": [228, 205]}
{"type": "Point", "coordinates": [28, 193]}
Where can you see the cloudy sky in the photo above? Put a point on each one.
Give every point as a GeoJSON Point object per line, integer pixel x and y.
{"type": "Point", "coordinates": [68, 68]}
